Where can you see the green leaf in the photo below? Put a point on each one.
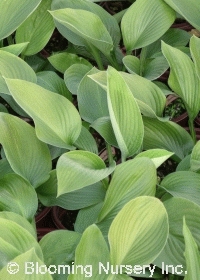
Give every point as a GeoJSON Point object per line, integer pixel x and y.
{"type": "Point", "coordinates": [131, 179]}
{"type": "Point", "coordinates": [62, 61]}
{"type": "Point", "coordinates": [144, 22]}
{"type": "Point", "coordinates": [167, 135]}
{"type": "Point", "coordinates": [195, 52]}
{"type": "Point", "coordinates": [192, 255]}
{"type": "Point", "coordinates": [36, 29]}
{"type": "Point", "coordinates": [13, 104]}
{"type": "Point", "coordinates": [59, 246]}
{"type": "Point", "coordinates": [15, 240]}
{"type": "Point", "coordinates": [87, 196]}
{"type": "Point", "coordinates": [92, 99]}
{"type": "Point", "coordinates": [17, 195]}
{"type": "Point", "coordinates": [183, 78]}
{"type": "Point", "coordinates": [189, 11]}
{"type": "Point", "coordinates": [86, 26]}
{"type": "Point", "coordinates": [21, 221]}
{"type": "Point", "coordinates": [154, 68]}
{"type": "Point", "coordinates": [174, 37]}
{"type": "Point", "coordinates": [51, 81]}
{"type": "Point", "coordinates": [92, 241]}
{"type": "Point", "coordinates": [27, 263]}
{"type": "Point", "coordinates": [86, 141]}
{"type": "Point", "coordinates": [78, 169]}
{"type": "Point", "coordinates": [158, 156]}
{"type": "Point", "coordinates": [15, 49]}
{"type": "Point", "coordinates": [132, 64]}
{"type": "Point", "coordinates": [14, 67]}
{"type": "Point", "coordinates": [14, 13]}
{"type": "Point", "coordinates": [3, 108]}
{"type": "Point", "coordinates": [195, 158]}
{"type": "Point", "coordinates": [73, 76]}
{"type": "Point", "coordinates": [27, 156]}
{"type": "Point", "coordinates": [62, 127]}
{"type": "Point", "coordinates": [108, 20]}
{"type": "Point", "coordinates": [5, 167]}
{"type": "Point", "coordinates": [173, 252]}
{"type": "Point", "coordinates": [87, 216]}
{"type": "Point", "coordinates": [183, 184]}
{"type": "Point", "coordinates": [132, 236]}
{"type": "Point", "coordinates": [149, 97]}
{"type": "Point", "coordinates": [104, 127]}
{"type": "Point", "coordinates": [122, 106]}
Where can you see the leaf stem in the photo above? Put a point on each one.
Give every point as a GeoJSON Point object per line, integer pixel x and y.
{"type": "Point", "coordinates": [10, 40]}
{"type": "Point", "coordinates": [192, 130]}
{"type": "Point", "coordinates": [109, 152]}
{"type": "Point", "coordinates": [96, 55]}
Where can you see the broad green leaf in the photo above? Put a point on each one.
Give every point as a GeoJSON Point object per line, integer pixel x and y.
{"type": "Point", "coordinates": [132, 64]}
{"type": "Point", "coordinates": [14, 13]}
{"type": "Point", "coordinates": [183, 184]}
{"type": "Point", "coordinates": [164, 88]}
{"type": "Point", "coordinates": [3, 108]}
{"type": "Point", "coordinates": [174, 37]}
{"type": "Point", "coordinates": [108, 20]}
{"type": "Point", "coordinates": [86, 141]}
{"type": "Point", "coordinates": [149, 97]}
{"type": "Point", "coordinates": [56, 151]}
{"type": "Point", "coordinates": [192, 255]}
{"type": "Point", "coordinates": [51, 81]}
{"type": "Point", "coordinates": [152, 69]}
{"type": "Point", "coordinates": [36, 29]}
{"type": "Point", "coordinates": [78, 169]}
{"type": "Point", "coordinates": [15, 240]}
{"type": "Point", "coordinates": [27, 156]}
{"type": "Point", "coordinates": [85, 25]}
{"type": "Point", "coordinates": [15, 49]}
{"type": "Point", "coordinates": [13, 104]}
{"type": "Point", "coordinates": [132, 236]}
{"type": "Point", "coordinates": [158, 156]}
{"type": "Point", "coordinates": [195, 52]}
{"type": "Point", "coordinates": [28, 263]}
{"type": "Point", "coordinates": [195, 158]}
{"type": "Point", "coordinates": [62, 61]}
{"type": "Point", "coordinates": [87, 196]}
{"type": "Point", "coordinates": [131, 179]}
{"type": "Point", "coordinates": [183, 78]}
{"type": "Point", "coordinates": [87, 216]}
{"type": "Point", "coordinates": [56, 119]}
{"type": "Point", "coordinates": [92, 99]}
{"type": "Point", "coordinates": [173, 252]}
{"type": "Point", "coordinates": [14, 67]}
{"type": "Point", "coordinates": [73, 76]}
{"type": "Point", "coordinates": [122, 106]}
{"type": "Point", "coordinates": [39, 63]}
{"type": "Point", "coordinates": [167, 135]}
{"type": "Point", "coordinates": [5, 167]}
{"type": "Point", "coordinates": [104, 127]}
{"type": "Point", "coordinates": [190, 11]}
{"type": "Point", "coordinates": [21, 221]}
{"type": "Point", "coordinates": [92, 241]}
{"type": "Point", "coordinates": [17, 195]}
{"type": "Point", "coordinates": [59, 246]}
{"type": "Point", "coordinates": [184, 165]}
{"type": "Point", "coordinates": [155, 67]}
{"type": "Point", "coordinates": [144, 22]}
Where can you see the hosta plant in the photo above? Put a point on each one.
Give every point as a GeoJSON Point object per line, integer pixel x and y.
{"type": "Point", "coordinates": [101, 92]}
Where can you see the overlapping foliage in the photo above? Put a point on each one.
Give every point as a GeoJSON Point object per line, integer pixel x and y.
{"type": "Point", "coordinates": [54, 110]}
